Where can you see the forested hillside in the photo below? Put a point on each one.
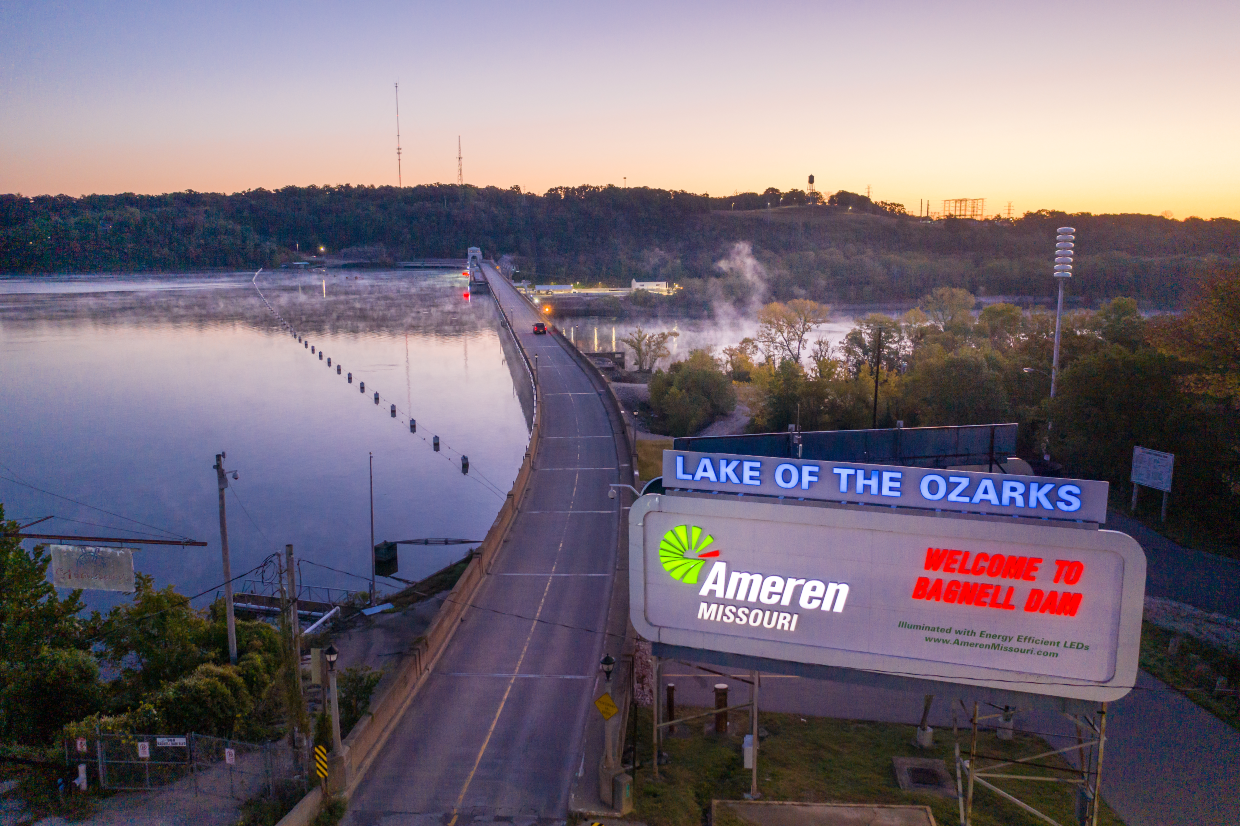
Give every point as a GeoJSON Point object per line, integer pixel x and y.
{"type": "Point", "coordinates": [850, 251]}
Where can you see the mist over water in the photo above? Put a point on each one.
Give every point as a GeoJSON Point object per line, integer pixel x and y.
{"type": "Point", "coordinates": [118, 392]}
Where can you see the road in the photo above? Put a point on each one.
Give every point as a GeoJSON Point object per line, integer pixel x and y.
{"type": "Point", "coordinates": [496, 729]}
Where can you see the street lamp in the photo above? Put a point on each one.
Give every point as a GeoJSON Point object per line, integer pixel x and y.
{"type": "Point", "coordinates": [330, 655]}
{"type": "Point", "coordinates": [607, 663]}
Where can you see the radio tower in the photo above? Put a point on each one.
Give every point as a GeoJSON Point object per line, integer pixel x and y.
{"type": "Point", "coordinates": [399, 182]}
{"type": "Point", "coordinates": [460, 178]}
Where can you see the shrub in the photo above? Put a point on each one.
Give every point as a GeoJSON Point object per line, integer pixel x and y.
{"type": "Point", "coordinates": [690, 395]}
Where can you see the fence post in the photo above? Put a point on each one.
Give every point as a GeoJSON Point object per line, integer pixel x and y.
{"type": "Point", "coordinates": [99, 757]}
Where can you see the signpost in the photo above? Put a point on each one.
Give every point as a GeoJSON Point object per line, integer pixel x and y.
{"type": "Point", "coordinates": [1153, 469]}
{"type": "Point", "coordinates": [92, 568]}
{"type": "Point", "coordinates": [1015, 605]}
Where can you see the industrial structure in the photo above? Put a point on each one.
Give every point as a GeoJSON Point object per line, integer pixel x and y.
{"type": "Point", "coordinates": [974, 208]}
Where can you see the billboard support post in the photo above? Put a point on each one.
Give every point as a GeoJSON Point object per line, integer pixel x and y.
{"type": "Point", "coordinates": [753, 724]}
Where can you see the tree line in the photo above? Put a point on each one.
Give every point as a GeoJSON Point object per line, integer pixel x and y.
{"type": "Point", "coordinates": [848, 249]}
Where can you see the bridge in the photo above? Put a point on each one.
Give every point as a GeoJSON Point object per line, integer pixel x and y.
{"type": "Point", "coordinates": [497, 726]}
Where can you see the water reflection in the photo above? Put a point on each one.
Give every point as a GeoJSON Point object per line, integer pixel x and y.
{"type": "Point", "coordinates": [118, 393]}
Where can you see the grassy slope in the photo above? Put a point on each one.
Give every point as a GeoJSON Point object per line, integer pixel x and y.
{"type": "Point", "coordinates": [823, 760]}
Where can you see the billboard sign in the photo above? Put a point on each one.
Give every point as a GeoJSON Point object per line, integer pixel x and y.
{"type": "Point", "coordinates": [1016, 605]}
{"type": "Point", "coordinates": [89, 568]}
{"type": "Point", "coordinates": [958, 491]}
{"type": "Point", "coordinates": [1152, 468]}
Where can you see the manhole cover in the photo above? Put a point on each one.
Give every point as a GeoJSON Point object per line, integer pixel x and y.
{"type": "Point", "coordinates": [920, 776]}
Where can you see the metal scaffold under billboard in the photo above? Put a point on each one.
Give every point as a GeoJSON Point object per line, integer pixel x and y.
{"type": "Point", "coordinates": [912, 578]}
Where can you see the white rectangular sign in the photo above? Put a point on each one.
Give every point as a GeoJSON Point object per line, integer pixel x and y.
{"type": "Point", "coordinates": [1152, 468]}
{"type": "Point", "coordinates": [958, 491]}
{"type": "Point", "coordinates": [1021, 606]}
{"type": "Point", "coordinates": [144, 750]}
{"type": "Point", "coordinates": [170, 742]}
{"type": "Point", "coordinates": [89, 568]}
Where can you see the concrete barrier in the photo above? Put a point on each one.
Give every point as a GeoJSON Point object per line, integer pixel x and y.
{"type": "Point", "coordinates": [400, 684]}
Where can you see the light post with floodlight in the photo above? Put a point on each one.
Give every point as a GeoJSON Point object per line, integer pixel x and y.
{"type": "Point", "coordinates": [1063, 271]}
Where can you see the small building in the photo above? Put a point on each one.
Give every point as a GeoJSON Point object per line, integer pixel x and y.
{"type": "Point", "coordinates": [651, 286]}
{"type": "Point", "coordinates": [551, 289]}
{"type": "Point", "coordinates": [475, 256]}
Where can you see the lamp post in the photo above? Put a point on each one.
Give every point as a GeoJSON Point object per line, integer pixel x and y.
{"type": "Point", "coordinates": [330, 655]}
{"type": "Point", "coordinates": [1063, 271]}
{"type": "Point", "coordinates": [1064, 247]}
{"type": "Point", "coordinates": [607, 664]}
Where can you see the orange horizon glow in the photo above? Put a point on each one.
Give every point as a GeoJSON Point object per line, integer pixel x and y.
{"type": "Point", "coordinates": [1106, 108]}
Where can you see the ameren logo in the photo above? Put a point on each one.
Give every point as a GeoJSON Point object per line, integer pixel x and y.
{"type": "Point", "coordinates": [683, 552]}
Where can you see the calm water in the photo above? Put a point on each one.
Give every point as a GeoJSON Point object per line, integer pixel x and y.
{"type": "Point", "coordinates": [118, 392]}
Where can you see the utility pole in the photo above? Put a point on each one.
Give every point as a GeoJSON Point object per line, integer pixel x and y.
{"type": "Point", "coordinates": [878, 356]}
{"type": "Point", "coordinates": [460, 176]}
{"type": "Point", "coordinates": [372, 528]}
{"type": "Point", "coordinates": [228, 589]}
{"type": "Point", "coordinates": [399, 181]}
{"type": "Point", "coordinates": [294, 619]}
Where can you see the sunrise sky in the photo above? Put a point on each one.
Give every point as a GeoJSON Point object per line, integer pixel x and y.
{"type": "Point", "coordinates": [1084, 106]}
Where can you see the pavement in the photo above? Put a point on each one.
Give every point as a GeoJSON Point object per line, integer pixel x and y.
{"type": "Point", "coordinates": [497, 729]}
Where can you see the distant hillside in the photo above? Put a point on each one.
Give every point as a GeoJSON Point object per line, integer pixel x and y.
{"type": "Point", "coordinates": [855, 251]}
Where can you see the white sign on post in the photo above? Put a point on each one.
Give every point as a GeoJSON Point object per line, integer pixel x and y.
{"type": "Point", "coordinates": [81, 745]}
{"type": "Point", "coordinates": [170, 742]}
{"type": "Point", "coordinates": [144, 750]}
{"type": "Point", "coordinates": [230, 756]}
{"type": "Point", "coordinates": [1152, 468]}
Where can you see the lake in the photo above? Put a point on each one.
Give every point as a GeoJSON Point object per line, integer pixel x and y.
{"type": "Point", "coordinates": [118, 391]}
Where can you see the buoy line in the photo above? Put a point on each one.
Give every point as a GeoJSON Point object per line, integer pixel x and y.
{"type": "Point", "coordinates": [466, 469]}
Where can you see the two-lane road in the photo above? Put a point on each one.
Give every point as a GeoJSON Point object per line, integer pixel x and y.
{"type": "Point", "coordinates": [496, 729]}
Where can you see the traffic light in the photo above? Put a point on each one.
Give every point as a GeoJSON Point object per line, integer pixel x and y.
{"type": "Point", "coordinates": [386, 559]}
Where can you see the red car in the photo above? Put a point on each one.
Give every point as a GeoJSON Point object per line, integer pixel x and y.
{"type": "Point", "coordinates": [540, 329]}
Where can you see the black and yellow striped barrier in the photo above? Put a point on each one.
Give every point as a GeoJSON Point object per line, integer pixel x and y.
{"type": "Point", "coordinates": [320, 761]}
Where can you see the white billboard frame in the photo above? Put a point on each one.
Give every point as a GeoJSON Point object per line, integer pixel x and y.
{"type": "Point", "coordinates": [1127, 634]}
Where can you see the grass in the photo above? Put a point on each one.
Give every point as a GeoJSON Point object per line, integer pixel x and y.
{"type": "Point", "coordinates": [1184, 526]}
{"type": "Point", "coordinates": [1193, 670]}
{"type": "Point", "coordinates": [815, 759]}
{"type": "Point", "coordinates": [650, 457]}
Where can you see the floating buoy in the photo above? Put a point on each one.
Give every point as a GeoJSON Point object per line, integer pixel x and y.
{"type": "Point", "coordinates": [304, 343]}
{"type": "Point", "coordinates": [299, 339]}
{"type": "Point", "coordinates": [464, 464]}
{"type": "Point", "coordinates": [393, 411]}
{"type": "Point", "coordinates": [320, 355]}
{"type": "Point", "coordinates": [435, 443]}
{"type": "Point", "coordinates": [312, 351]}
{"type": "Point", "coordinates": [376, 397]}
{"type": "Point", "coordinates": [338, 370]}
{"type": "Point", "coordinates": [350, 378]}
{"type": "Point", "coordinates": [413, 425]}
{"type": "Point", "coordinates": [329, 361]}
{"type": "Point", "coordinates": [362, 387]}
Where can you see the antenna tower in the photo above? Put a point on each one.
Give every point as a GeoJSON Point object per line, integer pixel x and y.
{"type": "Point", "coordinates": [399, 181]}
{"type": "Point", "coordinates": [1009, 210]}
{"type": "Point", "coordinates": [460, 178]}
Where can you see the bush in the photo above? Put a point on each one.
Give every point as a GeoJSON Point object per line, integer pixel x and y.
{"type": "Point", "coordinates": [40, 697]}
{"type": "Point", "coordinates": [690, 395]}
{"type": "Point", "coordinates": [212, 700]}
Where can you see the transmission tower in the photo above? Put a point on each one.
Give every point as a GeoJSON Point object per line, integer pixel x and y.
{"type": "Point", "coordinates": [1009, 210]}
{"type": "Point", "coordinates": [399, 181]}
{"type": "Point", "coordinates": [460, 177]}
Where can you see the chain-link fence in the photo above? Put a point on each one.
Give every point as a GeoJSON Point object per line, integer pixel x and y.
{"type": "Point", "coordinates": [209, 765]}
{"type": "Point", "coordinates": [231, 768]}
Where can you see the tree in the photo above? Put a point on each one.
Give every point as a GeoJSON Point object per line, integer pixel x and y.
{"type": "Point", "coordinates": [956, 388]}
{"type": "Point", "coordinates": [46, 675]}
{"type": "Point", "coordinates": [948, 306]}
{"type": "Point", "coordinates": [1120, 322]}
{"type": "Point", "coordinates": [648, 348]}
{"type": "Point", "coordinates": [783, 329]}
{"type": "Point", "coordinates": [1207, 336]}
{"type": "Point", "coordinates": [738, 361]}
{"type": "Point", "coordinates": [871, 330]}
{"type": "Point", "coordinates": [1000, 323]}
{"type": "Point", "coordinates": [691, 394]}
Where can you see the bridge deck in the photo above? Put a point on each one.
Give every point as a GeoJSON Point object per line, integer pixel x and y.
{"type": "Point", "coordinates": [496, 729]}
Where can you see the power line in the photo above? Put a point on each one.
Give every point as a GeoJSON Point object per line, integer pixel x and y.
{"type": "Point", "coordinates": [17, 481]}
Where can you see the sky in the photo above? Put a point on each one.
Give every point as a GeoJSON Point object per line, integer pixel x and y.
{"type": "Point", "coordinates": [1109, 106]}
